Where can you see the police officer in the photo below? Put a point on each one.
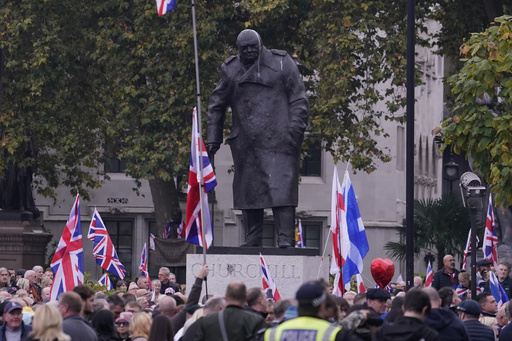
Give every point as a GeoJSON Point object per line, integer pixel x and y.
{"type": "Point", "coordinates": [308, 326]}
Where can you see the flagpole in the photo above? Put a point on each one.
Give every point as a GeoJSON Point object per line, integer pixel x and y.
{"type": "Point", "coordinates": [323, 254]}
{"type": "Point", "coordinates": [198, 88]}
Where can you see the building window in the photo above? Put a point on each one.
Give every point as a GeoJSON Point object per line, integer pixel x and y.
{"type": "Point", "coordinates": [121, 233]}
{"type": "Point", "coordinates": [312, 162]}
{"type": "Point", "coordinates": [114, 164]}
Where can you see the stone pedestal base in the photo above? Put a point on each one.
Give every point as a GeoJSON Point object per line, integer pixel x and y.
{"type": "Point", "coordinates": [288, 271]}
{"type": "Point", "coordinates": [22, 241]}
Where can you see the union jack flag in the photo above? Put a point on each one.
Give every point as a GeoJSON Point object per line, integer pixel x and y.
{"type": "Point", "coordinates": [430, 276]}
{"type": "Point", "coordinates": [104, 251]}
{"type": "Point", "coordinates": [164, 6]}
{"type": "Point", "coordinates": [143, 267]}
{"type": "Point", "coordinates": [105, 281]}
{"type": "Point", "coordinates": [268, 281]}
{"type": "Point", "coordinates": [299, 235]}
{"type": "Point", "coordinates": [68, 260]}
{"type": "Point", "coordinates": [490, 237]}
{"type": "Point", "coordinates": [193, 226]}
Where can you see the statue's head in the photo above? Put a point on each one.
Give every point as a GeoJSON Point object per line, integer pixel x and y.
{"type": "Point", "coordinates": [249, 46]}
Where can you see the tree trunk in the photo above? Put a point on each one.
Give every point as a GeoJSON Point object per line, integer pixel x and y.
{"type": "Point", "coordinates": [165, 200]}
{"type": "Point", "coordinates": [492, 9]}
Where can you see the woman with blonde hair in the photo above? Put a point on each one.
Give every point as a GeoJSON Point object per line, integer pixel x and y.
{"type": "Point", "coordinates": [47, 325]}
{"type": "Point", "coordinates": [140, 326]}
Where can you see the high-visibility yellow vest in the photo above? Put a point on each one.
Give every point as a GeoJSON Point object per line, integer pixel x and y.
{"type": "Point", "coordinates": [303, 328]}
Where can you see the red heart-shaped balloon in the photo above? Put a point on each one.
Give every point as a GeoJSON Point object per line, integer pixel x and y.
{"type": "Point", "coordinates": [383, 271]}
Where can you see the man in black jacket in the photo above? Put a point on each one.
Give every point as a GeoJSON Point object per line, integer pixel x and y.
{"type": "Point", "coordinates": [234, 321]}
{"type": "Point", "coordinates": [410, 326]}
{"type": "Point", "coordinates": [469, 312]}
{"type": "Point", "coordinates": [444, 321]}
{"type": "Point", "coordinates": [448, 276]}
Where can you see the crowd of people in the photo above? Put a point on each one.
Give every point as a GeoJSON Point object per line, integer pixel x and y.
{"type": "Point", "coordinates": [138, 311]}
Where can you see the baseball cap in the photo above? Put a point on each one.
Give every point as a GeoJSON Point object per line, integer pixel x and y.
{"type": "Point", "coordinates": [470, 307]}
{"type": "Point", "coordinates": [169, 291]}
{"type": "Point", "coordinates": [9, 307]}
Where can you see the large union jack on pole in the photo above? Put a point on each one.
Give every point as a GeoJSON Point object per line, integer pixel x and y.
{"type": "Point", "coordinates": [104, 251]}
{"type": "Point", "coordinates": [68, 260]}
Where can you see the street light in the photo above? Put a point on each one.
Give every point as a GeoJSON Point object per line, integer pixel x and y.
{"type": "Point", "coordinates": [473, 196]}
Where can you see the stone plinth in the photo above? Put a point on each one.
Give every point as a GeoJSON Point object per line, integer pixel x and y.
{"type": "Point", "coordinates": [22, 241]}
{"type": "Point", "coordinates": [288, 271]}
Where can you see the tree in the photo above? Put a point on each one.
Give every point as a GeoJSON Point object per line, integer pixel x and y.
{"type": "Point", "coordinates": [481, 127]}
{"type": "Point", "coordinates": [441, 227]}
{"type": "Point", "coordinates": [101, 79]}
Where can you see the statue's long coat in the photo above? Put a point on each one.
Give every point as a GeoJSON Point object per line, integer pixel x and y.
{"type": "Point", "coordinates": [269, 113]}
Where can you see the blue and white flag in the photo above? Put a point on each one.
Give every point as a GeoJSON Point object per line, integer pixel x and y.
{"type": "Point", "coordinates": [497, 290]}
{"type": "Point", "coordinates": [354, 226]}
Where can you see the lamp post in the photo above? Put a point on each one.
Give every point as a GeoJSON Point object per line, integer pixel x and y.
{"type": "Point", "coordinates": [473, 196]}
{"type": "Point", "coordinates": [451, 172]}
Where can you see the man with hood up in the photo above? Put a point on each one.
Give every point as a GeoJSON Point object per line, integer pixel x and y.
{"type": "Point", "coordinates": [269, 116]}
{"type": "Point", "coordinates": [444, 321]}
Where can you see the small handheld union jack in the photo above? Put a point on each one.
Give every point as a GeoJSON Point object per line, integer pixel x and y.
{"type": "Point", "coordinates": [268, 281]}
{"type": "Point", "coordinates": [105, 281]}
{"type": "Point", "coordinates": [430, 276]}
{"type": "Point", "coordinates": [143, 267]}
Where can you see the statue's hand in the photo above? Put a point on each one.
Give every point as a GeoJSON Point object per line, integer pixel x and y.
{"type": "Point", "coordinates": [212, 147]}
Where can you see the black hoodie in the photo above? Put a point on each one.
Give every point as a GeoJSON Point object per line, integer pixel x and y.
{"type": "Point", "coordinates": [447, 324]}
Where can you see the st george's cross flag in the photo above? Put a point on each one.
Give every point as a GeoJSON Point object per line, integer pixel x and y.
{"type": "Point", "coordinates": [193, 225]}
{"type": "Point", "coordinates": [164, 6]}
{"type": "Point", "coordinates": [105, 281]}
{"type": "Point", "coordinates": [340, 241]}
{"type": "Point", "coordinates": [430, 276]}
{"type": "Point", "coordinates": [143, 267]}
{"type": "Point", "coordinates": [104, 251]}
{"type": "Point", "coordinates": [353, 224]}
{"type": "Point", "coordinates": [68, 260]}
{"type": "Point", "coordinates": [360, 285]}
{"type": "Point", "coordinates": [490, 237]}
{"type": "Point", "coordinates": [268, 281]}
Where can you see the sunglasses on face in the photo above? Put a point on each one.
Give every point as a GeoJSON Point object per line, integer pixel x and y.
{"type": "Point", "coordinates": [121, 323]}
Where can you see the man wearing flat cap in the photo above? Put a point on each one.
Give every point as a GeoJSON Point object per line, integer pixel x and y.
{"type": "Point", "coordinates": [13, 329]}
{"type": "Point", "coordinates": [448, 276]}
{"type": "Point", "coordinates": [469, 312]}
{"type": "Point", "coordinates": [377, 300]}
{"type": "Point", "coordinates": [267, 97]}
{"type": "Point", "coordinates": [311, 298]}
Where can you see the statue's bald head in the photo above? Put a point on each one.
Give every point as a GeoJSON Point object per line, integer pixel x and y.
{"type": "Point", "coordinates": [249, 46]}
